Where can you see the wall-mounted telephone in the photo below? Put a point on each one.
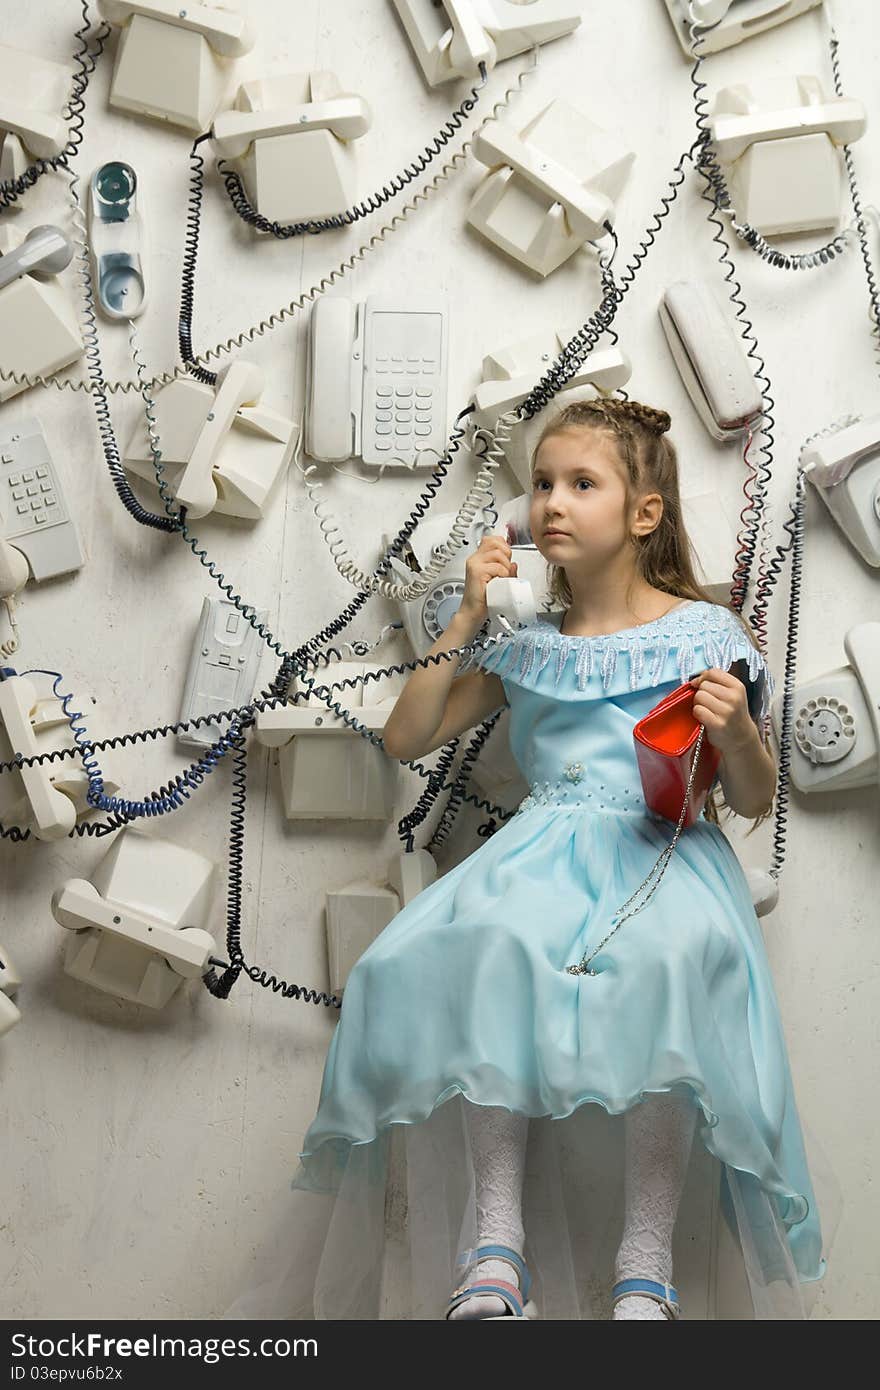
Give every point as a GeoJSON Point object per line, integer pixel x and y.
{"type": "Point", "coordinates": [291, 139]}
{"type": "Point", "coordinates": [327, 770]}
{"type": "Point", "coordinates": [117, 240]}
{"type": "Point", "coordinates": [376, 381]}
{"type": "Point", "coordinates": [172, 62]}
{"type": "Point", "coordinates": [710, 359]}
{"type": "Point", "coordinates": [844, 468]}
{"type": "Point", "coordinates": [732, 20]}
{"type": "Point", "coordinates": [34, 513]}
{"type": "Point", "coordinates": [359, 911]}
{"type": "Point", "coordinates": [10, 981]}
{"type": "Point", "coordinates": [781, 138]}
{"type": "Point", "coordinates": [552, 185]}
{"type": "Point", "coordinates": [222, 670]}
{"type": "Point", "coordinates": [425, 618]}
{"type": "Point", "coordinates": [223, 450]}
{"type": "Point", "coordinates": [138, 929]}
{"type": "Point", "coordinates": [451, 38]}
{"type": "Point", "coordinates": [32, 95]}
{"type": "Point", "coordinates": [509, 375]}
{"type": "Point", "coordinates": [38, 327]}
{"type": "Point", "coordinates": [836, 742]}
{"type": "Point", "coordinates": [46, 798]}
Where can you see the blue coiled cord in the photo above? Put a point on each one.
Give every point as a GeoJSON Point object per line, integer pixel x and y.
{"type": "Point", "coordinates": [158, 803]}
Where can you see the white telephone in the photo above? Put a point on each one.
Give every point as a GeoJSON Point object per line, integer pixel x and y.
{"type": "Point", "coordinates": [328, 771]}
{"type": "Point", "coordinates": [781, 138]}
{"type": "Point", "coordinates": [710, 359]}
{"type": "Point", "coordinates": [38, 538]}
{"type": "Point", "coordinates": [222, 670]}
{"type": "Point", "coordinates": [552, 185]}
{"type": "Point", "coordinates": [39, 332]}
{"type": "Point", "coordinates": [172, 60]}
{"type": "Point", "coordinates": [836, 742]}
{"type": "Point", "coordinates": [359, 911]}
{"type": "Point", "coordinates": [138, 929]}
{"type": "Point", "coordinates": [451, 38]}
{"type": "Point", "coordinates": [292, 141]}
{"type": "Point", "coordinates": [117, 240]}
{"type": "Point", "coordinates": [10, 981]}
{"type": "Point", "coordinates": [510, 374]}
{"type": "Point", "coordinates": [376, 380]}
{"type": "Point", "coordinates": [731, 20]}
{"type": "Point", "coordinates": [844, 468]}
{"type": "Point", "coordinates": [32, 94]}
{"type": "Point", "coordinates": [425, 618]}
{"type": "Point", "coordinates": [223, 450]}
{"type": "Point", "coordinates": [45, 798]}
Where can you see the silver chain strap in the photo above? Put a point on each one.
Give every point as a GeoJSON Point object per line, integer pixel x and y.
{"type": "Point", "coordinates": [583, 968]}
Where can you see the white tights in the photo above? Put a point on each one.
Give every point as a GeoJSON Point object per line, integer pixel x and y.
{"type": "Point", "coordinates": [658, 1136]}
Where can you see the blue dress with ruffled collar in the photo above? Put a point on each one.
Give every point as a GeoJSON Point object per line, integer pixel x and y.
{"type": "Point", "coordinates": [466, 992]}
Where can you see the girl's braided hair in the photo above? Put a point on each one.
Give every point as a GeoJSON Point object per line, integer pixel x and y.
{"type": "Point", "coordinates": [664, 558]}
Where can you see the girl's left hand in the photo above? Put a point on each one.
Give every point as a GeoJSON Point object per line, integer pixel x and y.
{"type": "Point", "coordinates": [720, 703]}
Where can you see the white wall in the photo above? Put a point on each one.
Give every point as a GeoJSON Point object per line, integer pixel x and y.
{"type": "Point", "coordinates": [140, 1145]}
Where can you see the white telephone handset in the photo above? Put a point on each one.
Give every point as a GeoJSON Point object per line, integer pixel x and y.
{"type": "Point", "coordinates": [240, 384]}
{"type": "Point", "coordinates": [376, 380]}
{"type": "Point", "coordinates": [511, 601]}
{"type": "Point", "coordinates": [51, 813]}
{"type": "Point", "coordinates": [334, 400]}
{"type": "Point", "coordinates": [732, 21]}
{"type": "Point", "coordinates": [710, 359]}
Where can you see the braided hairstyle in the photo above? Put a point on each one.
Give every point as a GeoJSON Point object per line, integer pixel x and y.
{"type": "Point", "coordinates": [663, 558]}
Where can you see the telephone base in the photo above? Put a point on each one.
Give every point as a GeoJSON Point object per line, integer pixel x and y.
{"type": "Point", "coordinates": [167, 73]}
{"type": "Point", "coordinates": [38, 331]}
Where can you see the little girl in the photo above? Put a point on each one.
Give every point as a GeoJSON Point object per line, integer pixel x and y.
{"type": "Point", "coordinates": [463, 1032]}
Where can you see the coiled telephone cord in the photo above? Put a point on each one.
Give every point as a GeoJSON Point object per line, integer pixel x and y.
{"type": "Point", "coordinates": [248, 213]}
{"type": "Point", "coordinates": [708, 164]}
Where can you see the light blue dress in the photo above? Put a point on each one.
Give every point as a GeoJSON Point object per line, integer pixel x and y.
{"type": "Point", "coordinates": [465, 993]}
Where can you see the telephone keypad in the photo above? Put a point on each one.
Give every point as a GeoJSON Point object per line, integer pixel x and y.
{"type": "Point", "coordinates": [404, 372]}
{"type": "Point", "coordinates": [32, 502]}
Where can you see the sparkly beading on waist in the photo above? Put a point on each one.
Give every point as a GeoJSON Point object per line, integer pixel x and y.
{"type": "Point", "coordinates": [573, 791]}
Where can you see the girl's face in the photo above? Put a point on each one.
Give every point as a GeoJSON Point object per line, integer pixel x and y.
{"type": "Point", "coordinates": [578, 512]}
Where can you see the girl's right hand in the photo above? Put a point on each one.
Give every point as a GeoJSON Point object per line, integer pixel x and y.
{"type": "Point", "coordinates": [490, 560]}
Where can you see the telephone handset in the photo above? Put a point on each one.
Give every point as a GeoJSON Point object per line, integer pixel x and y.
{"type": "Point", "coordinates": [511, 601]}
{"type": "Point", "coordinates": [452, 38]}
{"type": "Point", "coordinates": [710, 359]}
{"type": "Point", "coordinates": [376, 380]}
{"type": "Point", "coordinates": [844, 468]}
{"type": "Point", "coordinates": [731, 21]}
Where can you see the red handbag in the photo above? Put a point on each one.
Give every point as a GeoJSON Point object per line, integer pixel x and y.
{"type": "Point", "coordinates": [665, 740]}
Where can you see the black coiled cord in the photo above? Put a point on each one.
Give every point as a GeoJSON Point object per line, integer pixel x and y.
{"type": "Point", "coordinates": [408, 824]}
{"type": "Point", "coordinates": [581, 344]}
{"type": "Point", "coordinates": [190, 256]}
{"type": "Point", "coordinates": [86, 60]}
{"type": "Point", "coordinates": [708, 165]}
{"type": "Point", "coordinates": [795, 528]}
{"type": "Point", "coordinates": [454, 801]}
{"type": "Point", "coordinates": [248, 213]}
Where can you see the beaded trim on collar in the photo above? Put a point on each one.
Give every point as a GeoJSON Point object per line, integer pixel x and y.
{"type": "Point", "coordinates": [696, 627]}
